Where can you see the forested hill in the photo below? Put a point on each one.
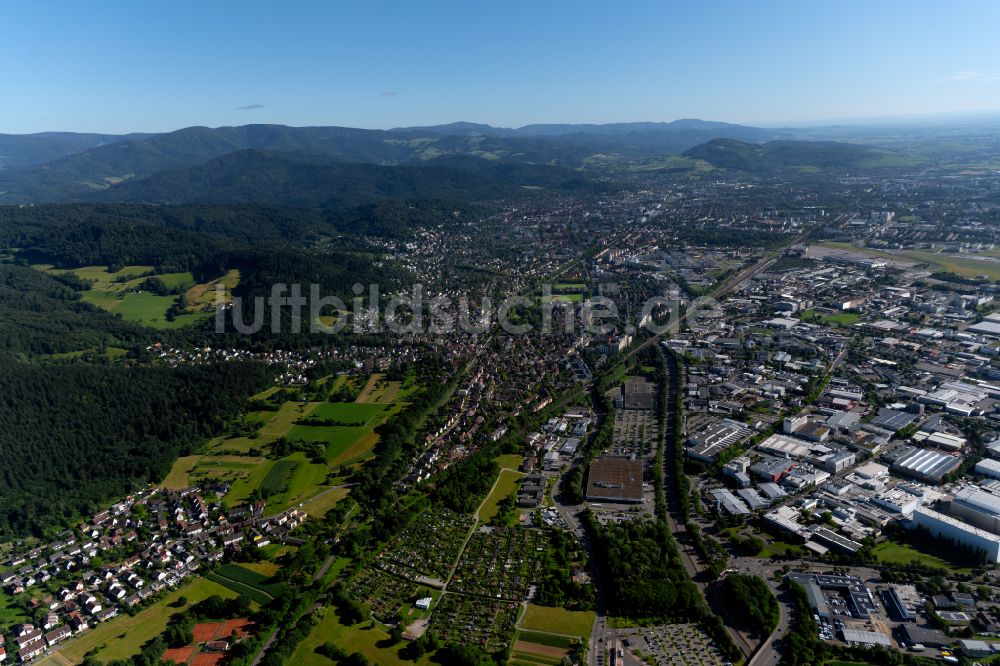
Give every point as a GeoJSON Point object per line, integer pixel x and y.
{"type": "Point", "coordinates": [74, 437]}
{"type": "Point", "coordinates": [800, 155]}
{"type": "Point", "coordinates": [85, 417]}
{"type": "Point", "coordinates": [285, 179]}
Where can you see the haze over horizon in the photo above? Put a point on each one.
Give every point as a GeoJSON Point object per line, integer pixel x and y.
{"type": "Point", "coordinates": [121, 68]}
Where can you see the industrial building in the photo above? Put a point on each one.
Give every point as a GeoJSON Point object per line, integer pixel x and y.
{"type": "Point", "coordinates": [978, 508]}
{"type": "Point", "coordinates": [836, 595]}
{"type": "Point", "coordinates": [903, 602]}
{"type": "Point", "coordinates": [715, 437]}
{"type": "Point", "coordinates": [925, 465]}
{"type": "Point", "coordinates": [988, 467]}
{"type": "Point", "coordinates": [863, 637]}
{"type": "Point", "coordinates": [943, 525]}
{"type": "Point", "coordinates": [615, 479]}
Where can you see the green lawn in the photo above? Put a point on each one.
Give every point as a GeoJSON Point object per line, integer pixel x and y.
{"type": "Point", "coordinates": [558, 621]}
{"type": "Point", "coordinates": [124, 635]}
{"type": "Point", "coordinates": [842, 319]}
{"type": "Point", "coordinates": [506, 486]}
{"type": "Point", "coordinates": [779, 549]}
{"type": "Point", "coordinates": [9, 614]}
{"type": "Point", "coordinates": [365, 638]}
{"type": "Point", "coordinates": [890, 552]}
{"type": "Point", "coordinates": [509, 460]}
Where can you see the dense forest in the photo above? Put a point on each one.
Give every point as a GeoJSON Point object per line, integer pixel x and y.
{"type": "Point", "coordinates": [40, 314]}
{"type": "Point", "coordinates": [74, 436]}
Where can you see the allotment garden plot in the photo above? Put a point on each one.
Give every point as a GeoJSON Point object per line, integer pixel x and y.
{"type": "Point", "coordinates": [426, 551]}
{"type": "Point", "coordinates": [466, 619]}
{"type": "Point", "coordinates": [500, 562]}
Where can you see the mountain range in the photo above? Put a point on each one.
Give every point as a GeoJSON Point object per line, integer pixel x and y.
{"type": "Point", "coordinates": [326, 166]}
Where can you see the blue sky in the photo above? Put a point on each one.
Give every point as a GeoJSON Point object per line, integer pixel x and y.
{"type": "Point", "coordinates": [152, 66]}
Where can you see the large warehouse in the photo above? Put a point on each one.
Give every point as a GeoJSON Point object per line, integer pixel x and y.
{"type": "Point", "coordinates": [615, 479]}
{"type": "Point", "coordinates": [942, 525]}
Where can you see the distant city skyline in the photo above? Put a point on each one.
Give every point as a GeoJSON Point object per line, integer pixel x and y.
{"type": "Point", "coordinates": [119, 67]}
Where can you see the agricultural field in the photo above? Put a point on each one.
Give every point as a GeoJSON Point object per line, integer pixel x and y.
{"type": "Point", "coordinates": [344, 430]}
{"type": "Point", "coordinates": [124, 635]}
{"type": "Point", "coordinates": [426, 550]}
{"type": "Point", "coordinates": [532, 648]}
{"type": "Point", "coordinates": [499, 562]}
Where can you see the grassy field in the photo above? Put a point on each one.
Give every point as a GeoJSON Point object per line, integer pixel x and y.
{"type": "Point", "coordinates": [295, 479]}
{"type": "Point", "coordinates": [890, 552]}
{"type": "Point", "coordinates": [379, 390]}
{"type": "Point", "coordinates": [202, 296]}
{"type": "Point", "coordinates": [504, 487]}
{"type": "Point", "coordinates": [177, 479]}
{"type": "Point", "coordinates": [558, 621]}
{"type": "Point", "coordinates": [366, 638]}
{"type": "Point", "coordinates": [124, 635]}
{"type": "Point", "coordinates": [509, 461]}
{"type": "Point", "coordinates": [320, 504]}
{"type": "Point", "coordinates": [842, 319]}
{"type": "Point", "coordinates": [243, 580]}
{"type": "Point", "coordinates": [278, 477]}
{"type": "Point", "coordinates": [354, 413]}
{"type": "Point", "coordinates": [562, 298]}
{"type": "Point", "coordinates": [779, 548]}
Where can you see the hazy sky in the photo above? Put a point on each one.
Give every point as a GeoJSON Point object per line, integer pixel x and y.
{"type": "Point", "coordinates": [113, 66]}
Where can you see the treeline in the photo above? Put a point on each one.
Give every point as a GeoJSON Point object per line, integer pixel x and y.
{"type": "Point", "coordinates": [754, 601]}
{"type": "Point", "coordinates": [644, 576]}
{"type": "Point", "coordinates": [246, 223]}
{"type": "Point", "coordinates": [75, 436]}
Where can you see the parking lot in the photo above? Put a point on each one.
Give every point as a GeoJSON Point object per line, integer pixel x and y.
{"type": "Point", "coordinates": [672, 644]}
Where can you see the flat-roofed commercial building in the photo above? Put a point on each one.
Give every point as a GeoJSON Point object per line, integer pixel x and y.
{"type": "Point", "coordinates": [615, 479]}
{"type": "Point", "coordinates": [973, 537]}
{"type": "Point", "coordinates": [978, 508]}
{"type": "Point", "coordinates": [988, 467]}
{"type": "Point", "coordinates": [903, 601]}
{"type": "Point", "coordinates": [715, 437]}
